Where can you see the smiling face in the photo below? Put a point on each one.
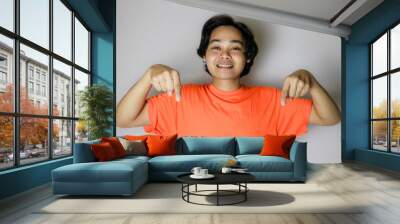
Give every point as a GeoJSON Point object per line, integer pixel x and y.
{"type": "Point", "coordinates": [225, 55]}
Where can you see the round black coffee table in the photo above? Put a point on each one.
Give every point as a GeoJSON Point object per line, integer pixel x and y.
{"type": "Point", "coordinates": [238, 179]}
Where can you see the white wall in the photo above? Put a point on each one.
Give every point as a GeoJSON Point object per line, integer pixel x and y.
{"type": "Point", "coordinates": [157, 31]}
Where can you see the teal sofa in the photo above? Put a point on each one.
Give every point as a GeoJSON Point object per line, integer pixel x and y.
{"type": "Point", "coordinates": [125, 176]}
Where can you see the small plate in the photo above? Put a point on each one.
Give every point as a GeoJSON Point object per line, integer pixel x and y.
{"type": "Point", "coordinates": [208, 176]}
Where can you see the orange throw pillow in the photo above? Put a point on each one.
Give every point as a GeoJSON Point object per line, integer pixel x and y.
{"type": "Point", "coordinates": [277, 145]}
{"type": "Point", "coordinates": [116, 145]}
{"type": "Point", "coordinates": [161, 145]}
{"type": "Point", "coordinates": [103, 151]}
{"type": "Point", "coordinates": [135, 137]}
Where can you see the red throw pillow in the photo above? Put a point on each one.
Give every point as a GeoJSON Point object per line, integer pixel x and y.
{"type": "Point", "coordinates": [135, 137]}
{"type": "Point", "coordinates": [103, 151]}
{"type": "Point", "coordinates": [116, 145]}
{"type": "Point", "coordinates": [277, 145]}
{"type": "Point", "coordinates": [161, 145]}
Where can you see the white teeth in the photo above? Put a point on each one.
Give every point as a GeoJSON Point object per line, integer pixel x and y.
{"type": "Point", "coordinates": [225, 66]}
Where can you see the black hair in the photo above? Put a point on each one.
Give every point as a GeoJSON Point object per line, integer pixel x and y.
{"type": "Point", "coordinates": [226, 20]}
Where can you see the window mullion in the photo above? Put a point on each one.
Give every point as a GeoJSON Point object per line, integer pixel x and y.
{"type": "Point", "coordinates": [370, 98]}
{"type": "Point", "coordinates": [389, 106]}
{"type": "Point", "coordinates": [16, 84]}
{"type": "Point", "coordinates": [73, 82]}
{"type": "Point", "coordinates": [50, 81]}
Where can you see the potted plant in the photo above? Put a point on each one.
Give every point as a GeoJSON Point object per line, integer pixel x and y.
{"type": "Point", "coordinates": [96, 103]}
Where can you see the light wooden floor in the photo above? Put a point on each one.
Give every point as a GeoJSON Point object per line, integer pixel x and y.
{"type": "Point", "coordinates": [378, 188]}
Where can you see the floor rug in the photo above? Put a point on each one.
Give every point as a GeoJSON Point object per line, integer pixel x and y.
{"type": "Point", "coordinates": [167, 198]}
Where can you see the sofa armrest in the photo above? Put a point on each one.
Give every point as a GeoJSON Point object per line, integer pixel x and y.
{"type": "Point", "coordinates": [298, 155]}
{"type": "Point", "coordinates": [83, 152]}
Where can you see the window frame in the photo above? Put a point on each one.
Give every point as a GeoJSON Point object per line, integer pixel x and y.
{"type": "Point", "coordinates": [16, 114]}
{"type": "Point", "coordinates": [388, 74]}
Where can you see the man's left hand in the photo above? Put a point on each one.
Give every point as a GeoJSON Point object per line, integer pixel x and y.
{"type": "Point", "coordinates": [296, 85]}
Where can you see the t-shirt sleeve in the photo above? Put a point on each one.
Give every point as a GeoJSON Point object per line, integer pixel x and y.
{"type": "Point", "coordinates": [293, 116]}
{"type": "Point", "coordinates": [162, 114]}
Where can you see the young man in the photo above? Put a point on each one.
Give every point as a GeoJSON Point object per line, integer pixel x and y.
{"type": "Point", "coordinates": [225, 107]}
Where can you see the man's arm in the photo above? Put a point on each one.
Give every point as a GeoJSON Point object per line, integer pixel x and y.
{"type": "Point", "coordinates": [132, 108]}
{"type": "Point", "coordinates": [324, 110]}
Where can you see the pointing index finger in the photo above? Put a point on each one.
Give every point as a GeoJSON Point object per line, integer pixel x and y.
{"type": "Point", "coordinates": [177, 86]}
{"type": "Point", "coordinates": [284, 92]}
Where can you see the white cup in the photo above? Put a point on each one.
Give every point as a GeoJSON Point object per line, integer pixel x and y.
{"type": "Point", "coordinates": [203, 172]}
{"type": "Point", "coordinates": [226, 170]}
{"type": "Point", "coordinates": [196, 170]}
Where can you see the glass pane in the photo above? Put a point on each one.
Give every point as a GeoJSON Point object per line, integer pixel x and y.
{"type": "Point", "coordinates": [81, 45]}
{"type": "Point", "coordinates": [35, 21]}
{"type": "Point", "coordinates": [6, 74]}
{"type": "Point", "coordinates": [395, 94]}
{"type": "Point", "coordinates": [34, 97]}
{"type": "Point", "coordinates": [81, 81]}
{"type": "Point", "coordinates": [395, 136]}
{"type": "Point", "coordinates": [33, 139]}
{"type": "Point", "coordinates": [81, 131]}
{"type": "Point", "coordinates": [62, 89]}
{"type": "Point", "coordinates": [379, 55]}
{"type": "Point", "coordinates": [6, 142]}
{"type": "Point", "coordinates": [62, 29]}
{"type": "Point", "coordinates": [379, 135]}
{"type": "Point", "coordinates": [379, 98]}
{"type": "Point", "coordinates": [395, 47]}
{"type": "Point", "coordinates": [62, 141]}
{"type": "Point", "coordinates": [7, 14]}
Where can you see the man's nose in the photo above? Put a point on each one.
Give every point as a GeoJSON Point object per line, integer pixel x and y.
{"type": "Point", "coordinates": [225, 54]}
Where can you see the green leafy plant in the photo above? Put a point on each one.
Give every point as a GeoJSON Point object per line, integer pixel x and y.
{"type": "Point", "coordinates": [96, 102]}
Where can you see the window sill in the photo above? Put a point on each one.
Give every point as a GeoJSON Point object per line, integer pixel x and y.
{"type": "Point", "coordinates": [26, 167]}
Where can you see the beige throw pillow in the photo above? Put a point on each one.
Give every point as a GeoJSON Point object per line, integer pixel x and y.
{"type": "Point", "coordinates": [134, 147]}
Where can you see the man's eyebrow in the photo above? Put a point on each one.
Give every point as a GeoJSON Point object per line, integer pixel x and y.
{"type": "Point", "coordinates": [231, 41]}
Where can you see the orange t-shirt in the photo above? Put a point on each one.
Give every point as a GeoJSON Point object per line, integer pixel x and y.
{"type": "Point", "coordinates": [205, 110]}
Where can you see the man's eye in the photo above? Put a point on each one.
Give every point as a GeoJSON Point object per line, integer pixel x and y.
{"type": "Point", "coordinates": [215, 48]}
{"type": "Point", "coordinates": [237, 48]}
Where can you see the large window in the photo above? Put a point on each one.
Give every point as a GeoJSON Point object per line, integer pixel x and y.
{"type": "Point", "coordinates": [385, 91]}
{"type": "Point", "coordinates": [44, 64]}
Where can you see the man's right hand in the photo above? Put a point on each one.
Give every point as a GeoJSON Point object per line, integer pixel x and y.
{"type": "Point", "coordinates": [165, 79]}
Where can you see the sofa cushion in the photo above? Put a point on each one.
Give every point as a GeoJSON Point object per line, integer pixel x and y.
{"type": "Point", "coordinates": [134, 147]}
{"type": "Point", "coordinates": [257, 163]}
{"type": "Point", "coordinates": [103, 151]}
{"type": "Point", "coordinates": [206, 145]}
{"type": "Point", "coordinates": [131, 158]}
{"type": "Point", "coordinates": [277, 145]}
{"type": "Point", "coordinates": [159, 145]}
{"type": "Point", "coordinates": [249, 145]}
{"type": "Point", "coordinates": [185, 163]}
{"type": "Point", "coordinates": [111, 171]}
{"type": "Point", "coordinates": [116, 145]}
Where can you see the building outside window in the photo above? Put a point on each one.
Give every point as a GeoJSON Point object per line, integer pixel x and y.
{"type": "Point", "coordinates": [3, 78]}
{"type": "Point", "coordinates": [3, 72]}
{"type": "Point", "coordinates": [37, 75]}
{"type": "Point", "coordinates": [3, 61]}
{"type": "Point", "coordinates": [30, 87]}
{"type": "Point", "coordinates": [43, 90]}
{"type": "Point", "coordinates": [44, 77]}
{"type": "Point", "coordinates": [30, 72]}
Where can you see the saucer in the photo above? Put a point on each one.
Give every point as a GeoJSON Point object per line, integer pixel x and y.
{"type": "Point", "coordinates": [208, 176]}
